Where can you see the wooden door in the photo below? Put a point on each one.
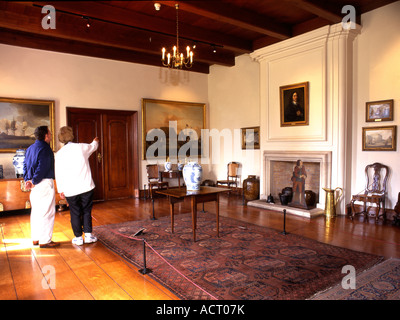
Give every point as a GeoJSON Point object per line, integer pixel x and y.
{"type": "Point", "coordinates": [87, 126]}
{"type": "Point", "coordinates": [116, 161]}
{"type": "Point", "coordinates": [117, 148]}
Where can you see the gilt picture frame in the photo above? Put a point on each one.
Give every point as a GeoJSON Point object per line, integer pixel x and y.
{"type": "Point", "coordinates": [382, 138]}
{"type": "Point", "coordinates": [179, 123]}
{"type": "Point", "coordinates": [18, 120]}
{"type": "Point", "coordinates": [377, 111]}
{"type": "Point", "coordinates": [250, 138]}
{"type": "Point", "coordinates": [294, 104]}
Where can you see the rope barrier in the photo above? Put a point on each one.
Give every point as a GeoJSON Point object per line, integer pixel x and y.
{"type": "Point", "coordinates": [163, 259]}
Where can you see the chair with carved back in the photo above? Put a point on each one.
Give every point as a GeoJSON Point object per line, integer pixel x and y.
{"type": "Point", "coordinates": [376, 175]}
{"type": "Point", "coordinates": [154, 179]}
{"type": "Point", "coordinates": [233, 178]}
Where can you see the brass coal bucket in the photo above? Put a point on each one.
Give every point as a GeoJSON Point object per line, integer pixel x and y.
{"type": "Point", "coordinates": [331, 201]}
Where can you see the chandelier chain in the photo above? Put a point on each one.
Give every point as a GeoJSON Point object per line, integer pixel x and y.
{"type": "Point", "coordinates": [177, 28]}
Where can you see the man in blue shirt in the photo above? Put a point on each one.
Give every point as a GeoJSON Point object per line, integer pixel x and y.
{"type": "Point", "coordinates": [39, 177]}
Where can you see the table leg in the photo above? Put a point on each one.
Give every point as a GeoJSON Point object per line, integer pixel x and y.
{"type": "Point", "coordinates": [217, 210]}
{"type": "Point", "coordinates": [194, 217]}
{"type": "Point", "coordinates": [153, 217]}
{"type": "Point", "coordinates": [171, 211]}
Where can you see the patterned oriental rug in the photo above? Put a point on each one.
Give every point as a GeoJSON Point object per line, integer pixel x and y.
{"type": "Point", "coordinates": [381, 282]}
{"type": "Point", "coordinates": [247, 262]}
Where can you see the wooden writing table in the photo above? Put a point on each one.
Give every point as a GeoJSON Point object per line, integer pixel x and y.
{"type": "Point", "coordinates": [205, 194]}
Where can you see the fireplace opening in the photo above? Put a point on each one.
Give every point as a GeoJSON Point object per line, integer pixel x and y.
{"type": "Point", "coordinates": [281, 174]}
{"type": "Point", "coordinates": [278, 171]}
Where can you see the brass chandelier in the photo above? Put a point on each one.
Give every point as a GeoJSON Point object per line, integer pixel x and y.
{"type": "Point", "coordinates": [177, 59]}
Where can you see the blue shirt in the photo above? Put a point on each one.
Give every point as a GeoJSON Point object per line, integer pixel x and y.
{"type": "Point", "coordinates": [39, 162]}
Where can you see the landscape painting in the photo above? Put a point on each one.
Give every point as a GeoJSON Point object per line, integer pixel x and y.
{"type": "Point", "coordinates": [379, 138]}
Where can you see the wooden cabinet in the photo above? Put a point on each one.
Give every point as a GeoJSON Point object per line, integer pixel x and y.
{"type": "Point", "coordinates": [13, 195]}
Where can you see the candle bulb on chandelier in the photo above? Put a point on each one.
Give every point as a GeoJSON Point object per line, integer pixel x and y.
{"type": "Point", "coordinates": [169, 57]}
{"type": "Point", "coordinates": [191, 57]}
{"type": "Point", "coordinates": [174, 51]}
{"type": "Point", "coordinates": [188, 51]}
{"type": "Point", "coordinates": [163, 53]}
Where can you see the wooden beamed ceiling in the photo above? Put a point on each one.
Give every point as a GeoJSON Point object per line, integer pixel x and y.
{"type": "Point", "coordinates": [134, 31]}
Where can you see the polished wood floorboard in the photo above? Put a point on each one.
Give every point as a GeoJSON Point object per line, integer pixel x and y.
{"type": "Point", "coordinates": [92, 272]}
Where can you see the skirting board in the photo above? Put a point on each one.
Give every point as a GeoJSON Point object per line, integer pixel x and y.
{"type": "Point", "coordinates": [289, 210]}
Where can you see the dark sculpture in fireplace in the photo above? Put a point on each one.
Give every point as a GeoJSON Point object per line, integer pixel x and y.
{"type": "Point", "coordinates": [299, 183]}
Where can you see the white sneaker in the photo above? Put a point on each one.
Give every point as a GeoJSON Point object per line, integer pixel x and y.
{"type": "Point", "coordinates": [89, 238]}
{"type": "Point", "coordinates": [78, 241]}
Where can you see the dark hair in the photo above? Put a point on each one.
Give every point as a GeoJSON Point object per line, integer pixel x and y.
{"type": "Point", "coordinates": [40, 132]}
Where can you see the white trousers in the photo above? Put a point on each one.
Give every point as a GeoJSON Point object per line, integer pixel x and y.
{"type": "Point", "coordinates": [43, 210]}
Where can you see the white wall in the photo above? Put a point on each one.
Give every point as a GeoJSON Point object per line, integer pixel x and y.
{"type": "Point", "coordinates": [234, 104]}
{"type": "Point", "coordinates": [377, 77]}
{"type": "Point", "coordinates": [87, 82]}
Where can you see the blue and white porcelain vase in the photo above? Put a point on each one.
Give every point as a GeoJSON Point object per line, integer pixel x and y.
{"type": "Point", "coordinates": [168, 166]}
{"type": "Point", "coordinates": [18, 163]}
{"type": "Point", "coordinates": [192, 173]}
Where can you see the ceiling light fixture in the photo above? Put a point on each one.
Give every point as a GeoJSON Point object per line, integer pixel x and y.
{"type": "Point", "coordinates": [157, 6]}
{"type": "Point", "coordinates": [177, 59]}
{"type": "Point", "coordinates": [87, 20]}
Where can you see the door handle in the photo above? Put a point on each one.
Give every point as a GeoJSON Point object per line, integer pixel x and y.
{"type": "Point", "coordinates": [99, 157]}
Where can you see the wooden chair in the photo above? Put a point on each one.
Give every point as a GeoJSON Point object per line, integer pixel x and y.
{"type": "Point", "coordinates": [154, 180]}
{"type": "Point", "coordinates": [233, 177]}
{"type": "Point", "coordinates": [376, 175]}
{"type": "Point", "coordinates": [396, 217]}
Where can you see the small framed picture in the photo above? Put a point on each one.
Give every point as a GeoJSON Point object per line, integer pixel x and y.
{"type": "Point", "coordinates": [294, 104]}
{"type": "Point", "coordinates": [379, 138]}
{"type": "Point", "coordinates": [251, 138]}
{"type": "Point", "coordinates": [379, 111]}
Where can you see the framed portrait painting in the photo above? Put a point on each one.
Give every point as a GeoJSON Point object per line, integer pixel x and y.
{"type": "Point", "coordinates": [379, 138]}
{"type": "Point", "coordinates": [294, 104]}
{"type": "Point", "coordinates": [171, 129]}
{"type": "Point", "coordinates": [18, 120]}
{"type": "Point", "coordinates": [379, 111]}
{"type": "Point", "coordinates": [251, 138]}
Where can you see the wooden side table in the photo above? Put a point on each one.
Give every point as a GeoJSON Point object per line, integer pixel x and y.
{"type": "Point", "coordinates": [175, 174]}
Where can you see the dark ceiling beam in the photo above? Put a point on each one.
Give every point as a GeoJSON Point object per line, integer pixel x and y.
{"type": "Point", "coordinates": [310, 25]}
{"type": "Point", "coordinates": [35, 41]}
{"type": "Point", "coordinates": [235, 16]}
{"type": "Point", "coordinates": [28, 19]}
{"type": "Point", "coordinates": [131, 18]}
{"type": "Point", "coordinates": [317, 9]}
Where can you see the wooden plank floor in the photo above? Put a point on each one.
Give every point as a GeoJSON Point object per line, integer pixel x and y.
{"type": "Point", "coordinates": [92, 272]}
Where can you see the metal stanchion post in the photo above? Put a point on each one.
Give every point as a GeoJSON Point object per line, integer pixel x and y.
{"type": "Point", "coordinates": [284, 223]}
{"type": "Point", "coordinates": [145, 270]}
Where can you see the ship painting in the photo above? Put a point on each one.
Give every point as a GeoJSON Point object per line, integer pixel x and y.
{"type": "Point", "coordinates": [18, 122]}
